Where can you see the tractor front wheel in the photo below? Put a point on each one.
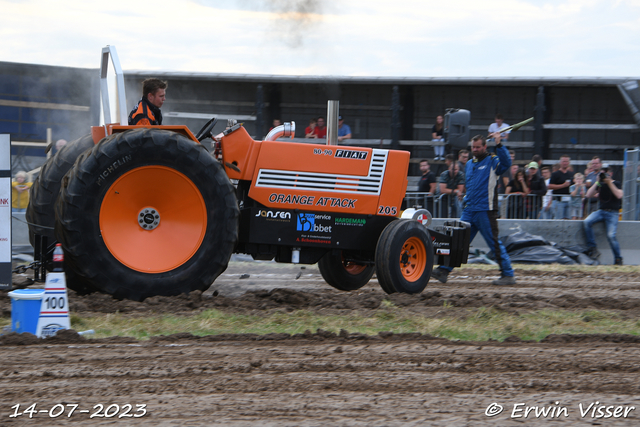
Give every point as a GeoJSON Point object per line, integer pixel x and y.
{"type": "Point", "coordinates": [344, 275]}
{"type": "Point", "coordinates": [404, 257]}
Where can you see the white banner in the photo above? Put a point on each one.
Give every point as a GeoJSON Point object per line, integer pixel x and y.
{"type": "Point", "coordinates": [5, 212]}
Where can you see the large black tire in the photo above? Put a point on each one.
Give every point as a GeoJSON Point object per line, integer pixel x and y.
{"type": "Point", "coordinates": [343, 275]}
{"type": "Point", "coordinates": [134, 173]}
{"type": "Point", "coordinates": [44, 192]}
{"type": "Point", "coordinates": [404, 257]}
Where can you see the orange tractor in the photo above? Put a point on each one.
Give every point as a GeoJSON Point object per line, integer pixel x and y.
{"type": "Point", "coordinates": [147, 210]}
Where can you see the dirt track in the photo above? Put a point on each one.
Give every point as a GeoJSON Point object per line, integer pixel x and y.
{"type": "Point", "coordinates": [327, 379]}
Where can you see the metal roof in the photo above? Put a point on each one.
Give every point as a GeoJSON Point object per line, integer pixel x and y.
{"type": "Point", "coordinates": [275, 78]}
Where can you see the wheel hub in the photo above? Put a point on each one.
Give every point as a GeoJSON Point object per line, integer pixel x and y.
{"type": "Point", "coordinates": [148, 218]}
{"type": "Point", "coordinates": [404, 258]}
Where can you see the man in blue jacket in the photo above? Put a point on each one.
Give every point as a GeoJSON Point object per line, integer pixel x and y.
{"type": "Point", "coordinates": [481, 204]}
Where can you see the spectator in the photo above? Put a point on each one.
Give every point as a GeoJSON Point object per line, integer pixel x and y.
{"type": "Point", "coordinates": [507, 175]}
{"type": "Point", "coordinates": [578, 192]}
{"type": "Point", "coordinates": [480, 205]}
{"type": "Point", "coordinates": [320, 129]}
{"type": "Point", "coordinates": [275, 124]}
{"type": "Point", "coordinates": [591, 203]}
{"type": "Point", "coordinates": [427, 182]}
{"type": "Point", "coordinates": [517, 189]}
{"type": "Point", "coordinates": [309, 132]}
{"type": "Point", "coordinates": [560, 182]}
{"type": "Point", "coordinates": [588, 169]}
{"type": "Point", "coordinates": [437, 135]}
{"type": "Point", "coordinates": [60, 143]}
{"type": "Point", "coordinates": [537, 189]}
{"type": "Point", "coordinates": [497, 126]}
{"type": "Point", "coordinates": [20, 192]}
{"type": "Point", "coordinates": [147, 112]}
{"type": "Point", "coordinates": [463, 158]}
{"type": "Point", "coordinates": [547, 200]}
{"type": "Point", "coordinates": [344, 131]}
{"type": "Point", "coordinates": [451, 185]}
{"type": "Point", "coordinates": [538, 159]}
{"type": "Point", "coordinates": [448, 159]}
{"type": "Point", "coordinates": [609, 194]}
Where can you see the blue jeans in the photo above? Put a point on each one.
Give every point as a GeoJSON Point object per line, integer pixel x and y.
{"type": "Point", "coordinates": [546, 214]}
{"type": "Point", "coordinates": [561, 209]}
{"type": "Point", "coordinates": [486, 223]}
{"type": "Point", "coordinates": [610, 219]}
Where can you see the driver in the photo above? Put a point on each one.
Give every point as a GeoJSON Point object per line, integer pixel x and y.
{"type": "Point", "coordinates": [147, 112]}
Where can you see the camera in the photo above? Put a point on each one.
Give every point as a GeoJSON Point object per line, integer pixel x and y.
{"type": "Point", "coordinates": [602, 176]}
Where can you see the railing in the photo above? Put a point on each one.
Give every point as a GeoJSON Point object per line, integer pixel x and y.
{"type": "Point", "coordinates": [511, 206]}
{"type": "Point", "coordinates": [440, 206]}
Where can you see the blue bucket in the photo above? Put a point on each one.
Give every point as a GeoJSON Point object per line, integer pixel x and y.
{"type": "Point", "coordinates": [25, 309]}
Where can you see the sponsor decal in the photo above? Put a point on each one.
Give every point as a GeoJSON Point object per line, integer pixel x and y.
{"type": "Point", "coordinates": [307, 240]}
{"type": "Point", "coordinates": [438, 244]}
{"type": "Point", "coordinates": [351, 221]}
{"type": "Point", "coordinates": [307, 222]}
{"type": "Point", "coordinates": [443, 251]}
{"type": "Point", "coordinates": [4, 202]}
{"type": "Point", "coordinates": [280, 216]}
{"type": "Point", "coordinates": [351, 154]}
{"type": "Point", "coordinates": [51, 329]}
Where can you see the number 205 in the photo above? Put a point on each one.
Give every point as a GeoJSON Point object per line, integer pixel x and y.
{"type": "Point", "coordinates": [387, 210]}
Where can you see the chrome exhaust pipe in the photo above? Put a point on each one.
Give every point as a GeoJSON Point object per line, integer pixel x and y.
{"type": "Point", "coordinates": [333, 109]}
{"type": "Point", "coordinates": [287, 129]}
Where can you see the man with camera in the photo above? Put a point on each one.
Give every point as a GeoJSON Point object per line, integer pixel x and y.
{"type": "Point", "coordinates": [609, 194]}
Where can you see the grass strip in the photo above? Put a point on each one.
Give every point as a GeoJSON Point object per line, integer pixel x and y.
{"type": "Point", "coordinates": [479, 324]}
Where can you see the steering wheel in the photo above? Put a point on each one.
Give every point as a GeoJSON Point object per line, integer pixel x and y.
{"type": "Point", "coordinates": [206, 129]}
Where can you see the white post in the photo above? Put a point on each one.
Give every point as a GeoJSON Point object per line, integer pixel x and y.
{"type": "Point", "coordinates": [5, 212]}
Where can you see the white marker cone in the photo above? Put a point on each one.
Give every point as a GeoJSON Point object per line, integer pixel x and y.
{"type": "Point", "coordinates": [54, 309]}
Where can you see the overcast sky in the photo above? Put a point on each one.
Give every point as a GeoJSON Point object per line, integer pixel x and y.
{"type": "Point", "coordinates": [401, 38]}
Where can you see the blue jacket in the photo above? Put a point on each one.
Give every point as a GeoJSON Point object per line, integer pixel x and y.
{"type": "Point", "coordinates": [482, 180]}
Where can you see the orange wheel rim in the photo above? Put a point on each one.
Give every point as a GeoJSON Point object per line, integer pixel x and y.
{"type": "Point", "coordinates": [353, 268]}
{"type": "Point", "coordinates": [153, 219]}
{"type": "Point", "coordinates": [413, 259]}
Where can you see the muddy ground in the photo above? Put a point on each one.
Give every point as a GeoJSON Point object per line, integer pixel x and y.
{"type": "Point", "coordinates": [322, 379]}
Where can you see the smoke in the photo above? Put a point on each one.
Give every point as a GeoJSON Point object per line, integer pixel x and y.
{"type": "Point", "coordinates": [293, 19]}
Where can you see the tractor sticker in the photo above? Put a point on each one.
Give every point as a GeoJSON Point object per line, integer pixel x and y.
{"type": "Point", "coordinates": [307, 222]}
{"type": "Point", "coordinates": [281, 216]}
{"type": "Point", "coordinates": [316, 228]}
{"type": "Point", "coordinates": [358, 222]}
{"type": "Point", "coordinates": [325, 152]}
{"type": "Point", "coordinates": [352, 154]}
{"type": "Point", "coordinates": [337, 202]}
{"type": "Point", "coordinates": [291, 199]}
{"type": "Point", "coordinates": [387, 210]}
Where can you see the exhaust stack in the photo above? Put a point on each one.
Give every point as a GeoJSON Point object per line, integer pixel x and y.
{"type": "Point", "coordinates": [287, 129]}
{"type": "Point", "coordinates": [333, 109]}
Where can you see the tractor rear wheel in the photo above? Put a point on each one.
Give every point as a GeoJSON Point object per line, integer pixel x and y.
{"type": "Point", "coordinates": [147, 212]}
{"type": "Point", "coordinates": [344, 275]}
{"type": "Point", "coordinates": [44, 192]}
{"type": "Point", "coordinates": [404, 257]}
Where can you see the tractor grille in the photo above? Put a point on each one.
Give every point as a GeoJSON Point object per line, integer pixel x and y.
{"type": "Point", "coordinates": [369, 184]}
